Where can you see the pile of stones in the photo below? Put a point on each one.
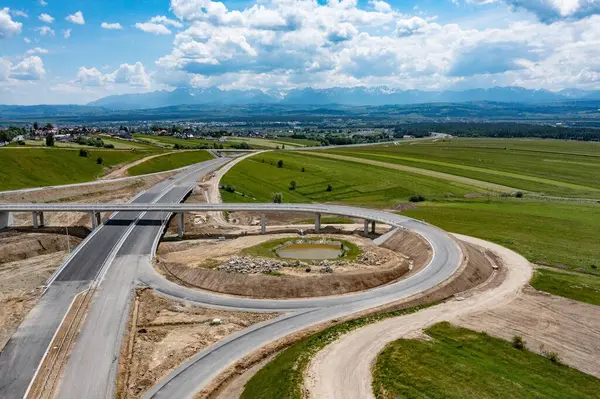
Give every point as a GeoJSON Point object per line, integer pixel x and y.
{"type": "Point", "coordinates": [249, 265]}
{"type": "Point", "coordinates": [372, 259]}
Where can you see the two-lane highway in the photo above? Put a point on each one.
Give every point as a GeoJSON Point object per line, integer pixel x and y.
{"type": "Point", "coordinates": [25, 350]}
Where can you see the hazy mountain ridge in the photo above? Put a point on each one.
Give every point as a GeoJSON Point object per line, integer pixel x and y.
{"type": "Point", "coordinates": [355, 96]}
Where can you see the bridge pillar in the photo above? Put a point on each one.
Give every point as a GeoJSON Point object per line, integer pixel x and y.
{"type": "Point", "coordinates": [96, 220]}
{"type": "Point", "coordinates": [263, 224]}
{"type": "Point", "coordinates": [6, 219]}
{"type": "Point", "coordinates": [373, 227]}
{"type": "Point", "coordinates": [41, 215]}
{"type": "Point", "coordinates": [366, 229]}
{"type": "Point", "coordinates": [34, 215]}
{"type": "Point", "coordinates": [180, 225]}
{"type": "Point", "coordinates": [318, 223]}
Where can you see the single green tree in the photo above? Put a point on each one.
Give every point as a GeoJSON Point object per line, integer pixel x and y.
{"type": "Point", "coordinates": [293, 185]}
{"type": "Point", "coordinates": [50, 140]}
{"type": "Point", "coordinates": [83, 153]}
{"type": "Point", "coordinates": [99, 160]}
{"type": "Point", "coordinates": [277, 198]}
{"type": "Point", "coordinates": [329, 187]}
{"type": "Point", "coordinates": [280, 164]}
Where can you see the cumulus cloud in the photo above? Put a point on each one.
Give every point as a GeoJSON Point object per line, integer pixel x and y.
{"type": "Point", "coordinates": [36, 50]}
{"type": "Point", "coordinates": [8, 27]}
{"type": "Point", "coordinates": [106, 25]}
{"type": "Point", "coordinates": [31, 68]}
{"type": "Point", "coordinates": [381, 6]}
{"type": "Point", "coordinates": [43, 3]}
{"type": "Point", "coordinates": [149, 27]}
{"type": "Point", "coordinates": [27, 40]}
{"type": "Point", "coordinates": [549, 11]}
{"type": "Point", "coordinates": [67, 33]}
{"type": "Point", "coordinates": [414, 25]}
{"type": "Point", "coordinates": [45, 31]}
{"type": "Point", "coordinates": [132, 75]}
{"type": "Point", "coordinates": [76, 18]}
{"type": "Point", "coordinates": [491, 58]}
{"type": "Point", "coordinates": [46, 18]}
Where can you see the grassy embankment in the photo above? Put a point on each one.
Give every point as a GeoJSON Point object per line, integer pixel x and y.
{"type": "Point", "coordinates": [267, 249]}
{"type": "Point", "coordinates": [37, 167]}
{"type": "Point", "coordinates": [467, 364]}
{"type": "Point", "coordinates": [575, 286]}
{"type": "Point", "coordinates": [283, 376]}
{"type": "Point", "coordinates": [169, 162]}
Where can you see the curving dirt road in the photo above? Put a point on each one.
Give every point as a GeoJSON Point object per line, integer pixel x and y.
{"type": "Point", "coordinates": [343, 369]}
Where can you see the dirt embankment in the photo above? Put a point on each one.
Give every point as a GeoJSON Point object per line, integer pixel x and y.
{"type": "Point", "coordinates": [164, 333]}
{"type": "Point", "coordinates": [26, 263]}
{"type": "Point", "coordinates": [187, 267]}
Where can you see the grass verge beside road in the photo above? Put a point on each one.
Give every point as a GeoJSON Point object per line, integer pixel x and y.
{"type": "Point", "coordinates": [282, 377]}
{"type": "Point", "coordinates": [169, 162]}
{"type": "Point", "coordinates": [579, 287]}
{"type": "Point", "coordinates": [39, 167]}
{"type": "Point", "coordinates": [460, 363]}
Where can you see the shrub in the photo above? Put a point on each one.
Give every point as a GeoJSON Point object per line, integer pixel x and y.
{"type": "Point", "coordinates": [50, 140]}
{"type": "Point", "coordinates": [84, 153]}
{"type": "Point", "coordinates": [293, 185]}
{"type": "Point", "coordinates": [519, 194]}
{"type": "Point", "coordinates": [329, 187]}
{"type": "Point", "coordinates": [21, 142]}
{"type": "Point", "coordinates": [553, 356]}
{"type": "Point", "coordinates": [109, 146]}
{"type": "Point", "coordinates": [518, 343]}
{"type": "Point", "coordinates": [277, 198]}
{"type": "Point", "coordinates": [228, 188]}
{"type": "Point", "coordinates": [416, 198]}
{"type": "Point", "coordinates": [280, 164]}
{"type": "Point", "coordinates": [302, 170]}
{"type": "Point", "coordinates": [99, 160]}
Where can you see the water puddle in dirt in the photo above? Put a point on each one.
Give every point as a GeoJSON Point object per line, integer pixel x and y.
{"type": "Point", "coordinates": [310, 251]}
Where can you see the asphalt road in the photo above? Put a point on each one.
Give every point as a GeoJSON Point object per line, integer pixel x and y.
{"type": "Point", "coordinates": [23, 353]}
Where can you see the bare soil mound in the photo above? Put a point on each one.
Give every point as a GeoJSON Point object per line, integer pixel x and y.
{"type": "Point", "coordinates": [18, 246]}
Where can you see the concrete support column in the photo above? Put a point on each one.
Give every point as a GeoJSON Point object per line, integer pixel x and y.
{"type": "Point", "coordinates": [94, 216]}
{"type": "Point", "coordinates": [41, 215]}
{"type": "Point", "coordinates": [318, 223]}
{"type": "Point", "coordinates": [6, 219]}
{"type": "Point", "coordinates": [372, 227]}
{"type": "Point", "coordinates": [34, 215]}
{"type": "Point", "coordinates": [263, 224]}
{"type": "Point", "coordinates": [366, 229]}
{"type": "Point", "coordinates": [180, 225]}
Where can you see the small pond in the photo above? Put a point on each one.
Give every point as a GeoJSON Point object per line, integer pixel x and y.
{"type": "Point", "coordinates": [311, 251]}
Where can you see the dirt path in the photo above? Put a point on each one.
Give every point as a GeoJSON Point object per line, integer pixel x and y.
{"type": "Point", "coordinates": [122, 171]}
{"type": "Point", "coordinates": [431, 173]}
{"type": "Point", "coordinates": [343, 369]}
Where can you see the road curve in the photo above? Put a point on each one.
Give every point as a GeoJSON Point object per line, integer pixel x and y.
{"type": "Point", "coordinates": [343, 369]}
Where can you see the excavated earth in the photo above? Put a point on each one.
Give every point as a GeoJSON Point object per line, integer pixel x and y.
{"type": "Point", "coordinates": [196, 264]}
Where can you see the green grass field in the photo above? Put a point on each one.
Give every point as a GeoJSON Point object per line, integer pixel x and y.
{"type": "Point", "coordinates": [255, 143]}
{"type": "Point", "coordinates": [575, 286]}
{"type": "Point", "coordinates": [169, 162]}
{"type": "Point", "coordinates": [267, 249]}
{"type": "Point", "coordinates": [460, 363]}
{"type": "Point", "coordinates": [37, 167]}
{"type": "Point", "coordinates": [364, 185]}
{"type": "Point", "coordinates": [550, 233]}
{"type": "Point", "coordinates": [550, 167]}
{"type": "Point", "coordinates": [118, 143]}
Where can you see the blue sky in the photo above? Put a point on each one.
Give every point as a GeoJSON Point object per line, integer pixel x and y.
{"type": "Point", "coordinates": [75, 51]}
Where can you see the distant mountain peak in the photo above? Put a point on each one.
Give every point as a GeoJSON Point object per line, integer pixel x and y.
{"type": "Point", "coordinates": [352, 96]}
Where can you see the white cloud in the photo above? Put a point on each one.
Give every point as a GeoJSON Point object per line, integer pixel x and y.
{"type": "Point", "coordinates": [67, 33]}
{"type": "Point", "coordinates": [413, 25]}
{"type": "Point", "coordinates": [19, 13]}
{"type": "Point", "coordinates": [46, 18]}
{"type": "Point", "coordinates": [549, 11]}
{"type": "Point", "coordinates": [45, 31]}
{"type": "Point", "coordinates": [106, 25]}
{"type": "Point", "coordinates": [132, 75]}
{"type": "Point", "coordinates": [36, 50]}
{"type": "Point", "coordinates": [76, 18]}
{"type": "Point", "coordinates": [27, 40]}
{"type": "Point", "coordinates": [5, 66]}
{"type": "Point", "coordinates": [31, 68]}
{"type": "Point", "coordinates": [43, 3]}
{"type": "Point", "coordinates": [157, 29]}
{"type": "Point", "coordinates": [381, 6]}
{"type": "Point", "coordinates": [161, 19]}
{"type": "Point", "coordinates": [8, 27]}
